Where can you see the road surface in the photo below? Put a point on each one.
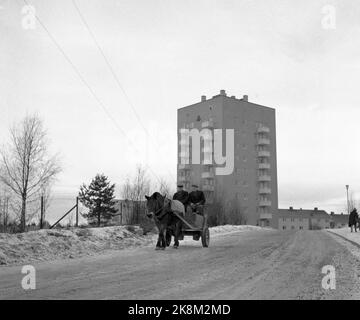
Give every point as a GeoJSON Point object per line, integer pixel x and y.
{"type": "Point", "coordinates": [246, 265]}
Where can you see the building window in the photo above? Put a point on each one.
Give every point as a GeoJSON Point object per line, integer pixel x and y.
{"type": "Point", "coordinates": [284, 227]}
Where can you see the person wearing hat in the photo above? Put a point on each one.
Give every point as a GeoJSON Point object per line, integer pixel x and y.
{"type": "Point", "coordinates": [353, 219]}
{"type": "Point", "coordinates": [181, 195]}
{"type": "Point", "coordinates": [197, 200]}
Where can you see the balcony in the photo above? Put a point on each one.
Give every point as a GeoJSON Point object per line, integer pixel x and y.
{"type": "Point", "coordinates": [208, 187]}
{"type": "Point", "coordinates": [184, 179]}
{"type": "Point", "coordinates": [263, 129]}
{"type": "Point", "coordinates": [263, 141]}
{"type": "Point", "coordinates": [263, 153]}
{"type": "Point", "coordinates": [265, 216]}
{"type": "Point", "coordinates": [264, 165]}
{"type": "Point", "coordinates": [184, 167]}
{"type": "Point", "coordinates": [264, 177]}
{"type": "Point", "coordinates": [209, 165]}
{"type": "Point", "coordinates": [207, 175]}
{"type": "Point", "coordinates": [264, 191]}
{"type": "Point", "coordinates": [208, 124]}
{"type": "Point", "coordinates": [264, 203]}
{"type": "Point", "coordinates": [184, 154]}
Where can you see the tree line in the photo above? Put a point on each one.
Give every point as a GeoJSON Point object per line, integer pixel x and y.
{"type": "Point", "coordinates": [28, 171]}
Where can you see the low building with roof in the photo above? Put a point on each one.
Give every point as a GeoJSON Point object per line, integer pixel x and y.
{"type": "Point", "coordinates": [303, 219]}
{"type": "Point", "coordinates": [339, 220]}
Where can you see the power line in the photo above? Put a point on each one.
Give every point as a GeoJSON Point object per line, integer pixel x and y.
{"type": "Point", "coordinates": [113, 72]}
{"type": "Point", "coordinates": [77, 71]}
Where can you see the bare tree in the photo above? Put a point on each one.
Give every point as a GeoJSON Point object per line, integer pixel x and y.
{"type": "Point", "coordinates": [165, 188]}
{"type": "Point", "coordinates": [126, 189]}
{"type": "Point", "coordinates": [26, 166]}
{"type": "Point", "coordinates": [135, 190]}
{"type": "Point", "coordinates": [235, 214]}
{"type": "Point", "coordinates": [217, 211]}
{"type": "Point", "coordinates": [5, 201]}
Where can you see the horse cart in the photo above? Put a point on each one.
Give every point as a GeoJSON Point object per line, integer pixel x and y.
{"type": "Point", "coordinates": [195, 225]}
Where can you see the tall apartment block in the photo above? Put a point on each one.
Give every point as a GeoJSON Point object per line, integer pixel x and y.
{"type": "Point", "coordinates": [252, 185]}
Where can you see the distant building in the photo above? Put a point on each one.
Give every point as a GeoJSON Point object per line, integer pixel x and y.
{"type": "Point", "coordinates": [252, 186]}
{"type": "Point", "coordinates": [339, 220]}
{"type": "Point", "coordinates": [300, 219]}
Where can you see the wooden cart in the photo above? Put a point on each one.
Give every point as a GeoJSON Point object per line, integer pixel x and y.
{"type": "Point", "coordinates": [195, 225]}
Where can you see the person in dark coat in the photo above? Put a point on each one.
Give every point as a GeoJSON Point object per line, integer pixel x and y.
{"type": "Point", "coordinates": [353, 219]}
{"type": "Point", "coordinates": [182, 196]}
{"type": "Point", "coordinates": [197, 200]}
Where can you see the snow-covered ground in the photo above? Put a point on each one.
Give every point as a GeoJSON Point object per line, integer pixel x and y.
{"type": "Point", "coordinates": [230, 228]}
{"type": "Point", "coordinates": [346, 233]}
{"type": "Point", "coordinates": [349, 239]}
{"type": "Point", "coordinates": [44, 245]}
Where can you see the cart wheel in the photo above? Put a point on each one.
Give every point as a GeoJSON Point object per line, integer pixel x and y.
{"type": "Point", "coordinates": [205, 237]}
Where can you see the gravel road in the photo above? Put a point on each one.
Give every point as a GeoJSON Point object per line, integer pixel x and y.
{"type": "Point", "coordinates": [247, 265]}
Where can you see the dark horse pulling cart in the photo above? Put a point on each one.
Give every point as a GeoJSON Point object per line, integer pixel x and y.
{"type": "Point", "coordinates": [172, 220]}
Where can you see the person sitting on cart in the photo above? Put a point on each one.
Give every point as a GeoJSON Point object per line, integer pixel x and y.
{"type": "Point", "coordinates": [196, 200]}
{"type": "Point", "coordinates": [182, 196]}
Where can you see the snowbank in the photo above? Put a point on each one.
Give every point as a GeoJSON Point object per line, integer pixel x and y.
{"type": "Point", "coordinates": [353, 237]}
{"type": "Point", "coordinates": [43, 245]}
{"type": "Point", "coordinates": [351, 240]}
{"type": "Point", "coordinates": [230, 228]}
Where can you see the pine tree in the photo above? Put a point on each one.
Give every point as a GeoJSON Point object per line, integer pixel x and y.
{"type": "Point", "coordinates": [98, 197]}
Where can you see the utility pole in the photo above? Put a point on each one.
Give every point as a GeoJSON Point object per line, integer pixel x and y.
{"type": "Point", "coordinates": [41, 211]}
{"type": "Point", "coordinates": [6, 213]}
{"type": "Point", "coordinates": [77, 212]}
{"type": "Point", "coordinates": [347, 197]}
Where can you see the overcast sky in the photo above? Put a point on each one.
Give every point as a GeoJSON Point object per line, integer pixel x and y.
{"type": "Point", "coordinates": [167, 54]}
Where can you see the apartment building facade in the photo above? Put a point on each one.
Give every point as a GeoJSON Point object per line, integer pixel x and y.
{"type": "Point", "coordinates": [252, 184]}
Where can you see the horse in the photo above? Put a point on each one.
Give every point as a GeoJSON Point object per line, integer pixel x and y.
{"type": "Point", "coordinates": [161, 209]}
